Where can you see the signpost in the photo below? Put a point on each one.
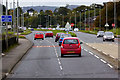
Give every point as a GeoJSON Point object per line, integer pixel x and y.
{"type": "Point", "coordinates": [106, 25]}
{"type": "Point", "coordinates": [6, 18]}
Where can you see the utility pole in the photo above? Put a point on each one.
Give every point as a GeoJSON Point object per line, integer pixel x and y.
{"type": "Point", "coordinates": [14, 17]}
{"type": "Point", "coordinates": [80, 20]}
{"type": "Point", "coordinates": [17, 21]}
{"type": "Point", "coordinates": [11, 13]}
{"type": "Point", "coordinates": [100, 17]}
{"type": "Point", "coordinates": [94, 15]}
{"type": "Point", "coordinates": [115, 15]}
{"type": "Point", "coordinates": [89, 20]}
{"type": "Point", "coordinates": [75, 19]}
{"type": "Point", "coordinates": [6, 36]}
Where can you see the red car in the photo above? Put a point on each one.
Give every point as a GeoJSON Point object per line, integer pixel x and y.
{"type": "Point", "coordinates": [49, 34]}
{"type": "Point", "coordinates": [58, 36]}
{"type": "Point", "coordinates": [71, 45]}
{"type": "Point", "coordinates": [39, 35]}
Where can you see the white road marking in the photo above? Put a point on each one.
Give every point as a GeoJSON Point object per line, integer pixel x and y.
{"type": "Point", "coordinates": [112, 57]}
{"type": "Point", "coordinates": [105, 53]}
{"type": "Point", "coordinates": [6, 74]}
{"type": "Point", "coordinates": [59, 63]}
{"type": "Point", "coordinates": [61, 68]}
{"type": "Point", "coordinates": [85, 50]}
{"type": "Point", "coordinates": [103, 61]}
{"type": "Point", "coordinates": [96, 56]}
{"type": "Point", "coordinates": [110, 65]}
{"type": "Point", "coordinates": [91, 53]}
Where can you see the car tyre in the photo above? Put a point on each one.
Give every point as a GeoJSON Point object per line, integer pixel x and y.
{"type": "Point", "coordinates": [112, 40]}
{"type": "Point", "coordinates": [34, 38]}
{"type": "Point", "coordinates": [103, 40]}
{"type": "Point", "coordinates": [62, 55]}
{"type": "Point", "coordinates": [42, 38]}
{"type": "Point", "coordinates": [80, 55]}
{"type": "Point", "coordinates": [59, 44]}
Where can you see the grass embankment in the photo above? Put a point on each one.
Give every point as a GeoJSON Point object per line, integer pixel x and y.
{"type": "Point", "coordinates": [57, 31]}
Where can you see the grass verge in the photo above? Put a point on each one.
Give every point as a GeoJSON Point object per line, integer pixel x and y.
{"type": "Point", "coordinates": [57, 31]}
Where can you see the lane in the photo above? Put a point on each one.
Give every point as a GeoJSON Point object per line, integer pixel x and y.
{"type": "Point", "coordinates": [46, 62]}
{"type": "Point", "coordinates": [87, 66]}
{"type": "Point", "coordinates": [38, 63]}
{"type": "Point", "coordinates": [91, 38]}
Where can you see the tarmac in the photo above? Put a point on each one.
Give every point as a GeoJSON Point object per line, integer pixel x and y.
{"type": "Point", "coordinates": [11, 58]}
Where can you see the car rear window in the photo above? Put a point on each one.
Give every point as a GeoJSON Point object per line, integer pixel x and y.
{"type": "Point", "coordinates": [65, 35]}
{"type": "Point", "coordinates": [70, 41]}
{"type": "Point", "coordinates": [39, 33]}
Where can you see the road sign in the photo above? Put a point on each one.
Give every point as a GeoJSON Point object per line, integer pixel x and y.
{"type": "Point", "coordinates": [72, 24]}
{"type": "Point", "coordinates": [113, 25]}
{"type": "Point", "coordinates": [106, 25]}
{"type": "Point", "coordinates": [6, 18]}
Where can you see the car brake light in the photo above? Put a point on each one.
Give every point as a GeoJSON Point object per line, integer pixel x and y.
{"type": "Point", "coordinates": [60, 39]}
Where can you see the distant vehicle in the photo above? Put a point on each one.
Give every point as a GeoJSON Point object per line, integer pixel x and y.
{"type": "Point", "coordinates": [71, 45]}
{"type": "Point", "coordinates": [53, 29]}
{"type": "Point", "coordinates": [38, 28]}
{"type": "Point", "coordinates": [58, 36]}
{"type": "Point", "coordinates": [100, 34]}
{"type": "Point", "coordinates": [39, 35]}
{"type": "Point", "coordinates": [49, 34]}
{"type": "Point", "coordinates": [76, 29]}
{"type": "Point", "coordinates": [62, 36]}
{"type": "Point", "coordinates": [66, 29]}
{"type": "Point", "coordinates": [108, 36]}
{"type": "Point", "coordinates": [49, 28]}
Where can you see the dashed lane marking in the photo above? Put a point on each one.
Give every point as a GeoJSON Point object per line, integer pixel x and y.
{"type": "Point", "coordinates": [96, 56]}
{"type": "Point", "coordinates": [44, 46]}
{"type": "Point", "coordinates": [103, 61]}
{"type": "Point", "coordinates": [110, 65]}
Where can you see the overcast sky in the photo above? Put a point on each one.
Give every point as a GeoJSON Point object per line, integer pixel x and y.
{"type": "Point", "coordinates": [56, 2]}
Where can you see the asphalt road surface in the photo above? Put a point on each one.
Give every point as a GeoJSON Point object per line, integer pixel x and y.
{"type": "Point", "coordinates": [44, 61]}
{"type": "Point", "coordinates": [91, 38]}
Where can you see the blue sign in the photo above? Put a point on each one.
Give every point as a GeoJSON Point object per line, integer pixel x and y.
{"type": "Point", "coordinates": [6, 18]}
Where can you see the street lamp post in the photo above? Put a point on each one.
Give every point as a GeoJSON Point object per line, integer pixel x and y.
{"type": "Point", "coordinates": [80, 20]}
{"type": "Point", "coordinates": [85, 18]}
{"type": "Point", "coordinates": [89, 20]}
{"type": "Point", "coordinates": [14, 17]}
{"type": "Point", "coordinates": [6, 25]}
{"type": "Point", "coordinates": [100, 17]}
{"type": "Point", "coordinates": [17, 20]}
{"type": "Point", "coordinates": [115, 22]}
{"type": "Point", "coordinates": [106, 25]}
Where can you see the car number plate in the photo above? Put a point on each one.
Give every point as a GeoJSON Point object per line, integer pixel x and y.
{"type": "Point", "coordinates": [70, 52]}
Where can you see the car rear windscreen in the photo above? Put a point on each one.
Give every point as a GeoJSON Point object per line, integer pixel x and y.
{"type": "Point", "coordinates": [70, 41]}
{"type": "Point", "coordinates": [39, 33]}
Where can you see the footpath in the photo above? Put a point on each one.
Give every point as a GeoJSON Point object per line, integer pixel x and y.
{"type": "Point", "coordinates": [12, 57]}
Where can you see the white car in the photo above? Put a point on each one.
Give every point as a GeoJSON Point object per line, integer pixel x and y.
{"type": "Point", "coordinates": [108, 36]}
{"type": "Point", "coordinates": [76, 29]}
{"type": "Point", "coordinates": [53, 29]}
{"type": "Point", "coordinates": [100, 34]}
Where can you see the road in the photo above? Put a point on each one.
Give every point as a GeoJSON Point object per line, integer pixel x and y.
{"type": "Point", "coordinates": [91, 38]}
{"type": "Point", "coordinates": [44, 61]}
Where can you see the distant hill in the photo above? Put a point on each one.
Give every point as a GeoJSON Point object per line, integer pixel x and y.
{"type": "Point", "coordinates": [38, 8]}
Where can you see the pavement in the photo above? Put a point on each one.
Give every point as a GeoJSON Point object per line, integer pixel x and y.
{"type": "Point", "coordinates": [14, 56]}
